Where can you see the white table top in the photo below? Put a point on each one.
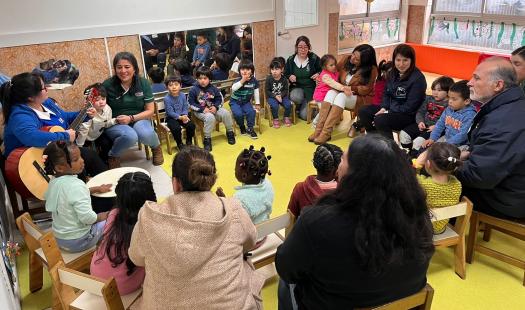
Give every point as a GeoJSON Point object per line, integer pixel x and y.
{"type": "Point", "coordinates": [111, 177]}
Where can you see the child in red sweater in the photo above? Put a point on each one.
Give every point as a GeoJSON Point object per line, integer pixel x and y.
{"type": "Point", "coordinates": [326, 160]}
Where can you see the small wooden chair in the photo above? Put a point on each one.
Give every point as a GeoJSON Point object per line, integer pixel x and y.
{"type": "Point", "coordinates": [421, 300]}
{"type": "Point", "coordinates": [454, 235]}
{"type": "Point", "coordinates": [272, 230]}
{"type": "Point", "coordinates": [314, 106]}
{"type": "Point", "coordinates": [94, 293]}
{"type": "Point", "coordinates": [268, 109]}
{"type": "Point", "coordinates": [43, 251]}
{"type": "Point", "coordinates": [514, 228]}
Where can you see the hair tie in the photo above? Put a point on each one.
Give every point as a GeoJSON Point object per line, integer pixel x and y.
{"type": "Point", "coordinates": [452, 159]}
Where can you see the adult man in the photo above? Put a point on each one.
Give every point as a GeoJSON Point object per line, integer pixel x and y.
{"type": "Point", "coordinates": [493, 174]}
{"type": "Point", "coordinates": [154, 48]}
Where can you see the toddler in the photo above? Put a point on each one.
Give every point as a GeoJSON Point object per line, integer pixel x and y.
{"type": "Point", "coordinates": [156, 75]}
{"type": "Point", "coordinates": [206, 100]}
{"type": "Point", "coordinates": [93, 128]}
{"type": "Point", "coordinates": [183, 67]}
{"type": "Point", "coordinates": [202, 50]}
{"type": "Point", "coordinates": [456, 119]}
{"type": "Point", "coordinates": [326, 160]}
{"type": "Point", "coordinates": [177, 112]}
{"type": "Point", "coordinates": [221, 67]}
{"type": "Point", "coordinates": [442, 187]}
{"type": "Point", "coordinates": [277, 93]}
{"type": "Point", "coordinates": [413, 136]}
{"type": "Point", "coordinates": [176, 52]}
{"type": "Point", "coordinates": [75, 225]}
{"type": "Point", "coordinates": [243, 91]}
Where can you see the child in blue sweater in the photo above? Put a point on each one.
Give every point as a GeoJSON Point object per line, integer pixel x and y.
{"type": "Point", "coordinates": [456, 119]}
{"type": "Point", "coordinates": [256, 192]}
{"type": "Point", "coordinates": [156, 75]}
{"type": "Point", "coordinates": [177, 111]}
{"type": "Point", "coordinates": [202, 51]}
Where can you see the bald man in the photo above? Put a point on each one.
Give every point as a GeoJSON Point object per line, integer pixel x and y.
{"type": "Point", "coordinates": [493, 172]}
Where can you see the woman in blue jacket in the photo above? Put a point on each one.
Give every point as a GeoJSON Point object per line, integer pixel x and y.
{"type": "Point", "coordinates": [404, 93]}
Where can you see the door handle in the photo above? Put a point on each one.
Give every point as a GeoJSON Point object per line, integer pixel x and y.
{"type": "Point", "coordinates": [282, 33]}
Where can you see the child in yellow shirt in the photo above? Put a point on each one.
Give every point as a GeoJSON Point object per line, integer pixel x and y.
{"type": "Point", "coordinates": [442, 187]}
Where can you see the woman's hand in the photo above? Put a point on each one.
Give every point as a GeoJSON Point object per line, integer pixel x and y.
{"type": "Point", "coordinates": [348, 91]}
{"type": "Point", "coordinates": [421, 126]}
{"type": "Point", "coordinates": [427, 143]}
{"type": "Point", "coordinates": [464, 155]}
{"type": "Point", "coordinates": [104, 188]}
{"type": "Point", "coordinates": [313, 77]}
{"type": "Point", "coordinates": [91, 112]}
{"type": "Point", "coordinates": [72, 135]}
{"type": "Point", "coordinates": [383, 110]}
{"type": "Point", "coordinates": [124, 119]}
{"type": "Point", "coordinates": [293, 78]}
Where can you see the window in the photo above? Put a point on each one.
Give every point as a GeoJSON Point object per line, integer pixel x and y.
{"type": "Point", "coordinates": [482, 24]}
{"type": "Point", "coordinates": [376, 23]}
{"type": "Point", "coordinates": [300, 13]}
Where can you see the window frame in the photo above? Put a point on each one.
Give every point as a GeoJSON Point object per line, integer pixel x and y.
{"type": "Point", "coordinates": [302, 26]}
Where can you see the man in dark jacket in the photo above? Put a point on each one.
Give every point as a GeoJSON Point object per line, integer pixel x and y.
{"type": "Point", "coordinates": [493, 174]}
{"type": "Point", "coordinates": [154, 49]}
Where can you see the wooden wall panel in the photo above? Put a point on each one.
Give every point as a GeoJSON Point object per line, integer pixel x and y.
{"type": "Point", "coordinates": [263, 46]}
{"type": "Point", "coordinates": [416, 20]}
{"type": "Point", "coordinates": [125, 44]}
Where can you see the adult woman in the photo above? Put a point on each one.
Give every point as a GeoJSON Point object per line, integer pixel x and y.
{"type": "Point", "coordinates": [302, 68]}
{"type": "Point", "coordinates": [353, 246]}
{"type": "Point", "coordinates": [357, 75]}
{"type": "Point", "coordinates": [229, 42]}
{"type": "Point", "coordinates": [131, 100]}
{"type": "Point", "coordinates": [197, 257]}
{"type": "Point", "coordinates": [518, 62]}
{"type": "Point", "coordinates": [404, 93]}
{"type": "Point", "coordinates": [27, 108]}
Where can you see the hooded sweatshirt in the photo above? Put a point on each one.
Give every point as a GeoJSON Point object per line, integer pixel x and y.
{"type": "Point", "coordinates": [192, 248]}
{"type": "Point", "coordinates": [256, 199]}
{"type": "Point", "coordinates": [455, 124]}
{"type": "Point", "coordinates": [306, 193]}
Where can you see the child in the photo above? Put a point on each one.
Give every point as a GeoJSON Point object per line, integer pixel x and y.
{"type": "Point", "coordinates": [176, 52]}
{"type": "Point", "coordinates": [75, 225]}
{"type": "Point", "coordinates": [183, 67]}
{"type": "Point", "coordinates": [326, 160]}
{"type": "Point", "coordinates": [93, 128]}
{"type": "Point", "coordinates": [277, 93]}
{"type": "Point", "coordinates": [456, 119]}
{"type": "Point", "coordinates": [177, 111]}
{"type": "Point", "coordinates": [206, 100]}
{"type": "Point", "coordinates": [111, 257]}
{"type": "Point", "coordinates": [156, 75]}
{"type": "Point", "coordinates": [243, 90]}
{"type": "Point", "coordinates": [221, 67]}
{"type": "Point", "coordinates": [412, 136]}
{"type": "Point", "coordinates": [202, 50]}
{"type": "Point", "coordinates": [442, 187]}
{"type": "Point", "coordinates": [256, 192]}
{"type": "Point", "coordinates": [327, 75]}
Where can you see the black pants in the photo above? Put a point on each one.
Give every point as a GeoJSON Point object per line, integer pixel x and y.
{"type": "Point", "coordinates": [482, 206]}
{"type": "Point", "coordinates": [366, 116]}
{"type": "Point", "coordinates": [413, 131]}
{"type": "Point", "coordinates": [93, 166]}
{"type": "Point", "coordinates": [387, 122]}
{"type": "Point", "coordinates": [176, 126]}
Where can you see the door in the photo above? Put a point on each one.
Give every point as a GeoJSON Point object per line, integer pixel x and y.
{"type": "Point", "coordinates": [318, 34]}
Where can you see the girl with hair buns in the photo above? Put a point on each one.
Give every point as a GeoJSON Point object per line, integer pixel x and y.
{"type": "Point", "coordinates": [326, 160]}
{"type": "Point", "coordinates": [443, 189]}
{"type": "Point", "coordinates": [193, 245]}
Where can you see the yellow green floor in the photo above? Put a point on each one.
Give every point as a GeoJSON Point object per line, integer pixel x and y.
{"type": "Point", "coordinates": [489, 284]}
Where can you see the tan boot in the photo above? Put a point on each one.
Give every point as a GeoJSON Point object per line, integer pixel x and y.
{"type": "Point", "coordinates": [323, 114]}
{"type": "Point", "coordinates": [331, 120]}
{"type": "Point", "coordinates": [113, 162]}
{"type": "Point", "coordinates": [158, 157]}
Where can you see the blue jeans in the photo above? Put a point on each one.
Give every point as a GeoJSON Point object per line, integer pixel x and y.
{"type": "Point", "coordinates": [85, 242]}
{"type": "Point", "coordinates": [240, 109]}
{"type": "Point", "coordinates": [126, 136]}
{"type": "Point", "coordinates": [274, 105]}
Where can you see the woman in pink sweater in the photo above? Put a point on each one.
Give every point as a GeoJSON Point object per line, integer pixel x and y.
{"type": "Point", "coordinates": [111, 258]}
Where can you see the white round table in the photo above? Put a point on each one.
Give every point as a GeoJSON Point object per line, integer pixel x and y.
{"type": "Point", "coordinates": [111, 177]}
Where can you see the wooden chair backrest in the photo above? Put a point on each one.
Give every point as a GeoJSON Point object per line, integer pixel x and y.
{"type": "Point", "coordinates": [30, 231]}
{"type": "Point", "coordinates": [462, 211]}
{"type": "Point", "coordinates": [421, 300]}
{"type": "Point", "coordinates": [52, 252]}
{"type": "Point", "coordinates": [65, 280]}
{"type": "Point", "coordinates": [275, 224]}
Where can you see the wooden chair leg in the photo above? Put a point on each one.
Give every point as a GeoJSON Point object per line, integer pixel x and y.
{"type": "Point", "coordinates": [309, 112]}
{"type": "Point", "coordinates": [168, 143]}
{"type": "Point", "coordinates": [294, 116]}
{"type": "Point", "coordinates": [472, 234]}
{"type": "Point", "coordinates": [487, 233]}
{"type": "Point", "coordinates": [36, 276]}
{"type": "Point", "coordinates": [146, 149]}
{"type": "Point", "coordinates": [459, 260]}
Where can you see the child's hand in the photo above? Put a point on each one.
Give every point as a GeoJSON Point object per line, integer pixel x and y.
{"type": "Point", "coordinates": [348, 91]}
{"type": "Point", "coordinates": [257, 107]}
{"type": "Point", "coordinates": [383, 110]}
{"type": "Point", "coordinates": [91, 112]}
{"type": "Point", "coordinates": [206, 110]}
{"type": "Point", "coordinates": [421, 159]}
{"type": "Point", "coordinates": [421, 126]}
{"type": "Point", "coordinates": [293, 78]}
{"type": "Point", "coordinates": [279, 98]}
{"type": "Point", "coordinates": [314, 77]}
{"type": "Point", "coordinates": [213, 109]}
{"type": "Point", "coordinates": [464, 155]}
{"type": "Point", "coordinates": [429, 129]}
{"type": "Point", "coordinates": [104, 188]}
{"type": "Point", "coordinates": [185, 119]}
{"type": "Point", "coordinates": [220, 192]}
{"type": "Point", "coordinates": [245, 78]}
{"type": "Point", "coordinates": [427, 143]}
{"type": "Point", "coordinates": [197, 63]}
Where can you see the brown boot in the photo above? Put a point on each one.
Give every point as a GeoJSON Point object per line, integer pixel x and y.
{"type": "Point", "coordinates": [331, 120]}
{"type": "Point", "coordinates": [323, 114]}
{"type": "Point", "coordinates": [158, 157]}
{"type": "Point", "coordinates": [113, 162]}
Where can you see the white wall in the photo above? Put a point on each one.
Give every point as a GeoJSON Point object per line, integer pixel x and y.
{"type": "Point", "coordinates": [43, 21]}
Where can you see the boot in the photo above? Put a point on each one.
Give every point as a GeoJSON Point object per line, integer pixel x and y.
{"type": "Point", "coordinates": [326, 132]}
{"type": "Point", "coordinates": [207, 144]}
{"type": "Point", "coordinates": [113, 162]}
{"type": "Point", "coordinates": [158, 158]}
{"type": "Point", "coordinates": [323, 114]}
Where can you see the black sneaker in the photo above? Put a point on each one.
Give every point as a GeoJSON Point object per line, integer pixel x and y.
{"type": "Point", "coordinates": [207, 144]}
{"type": "Point", "coordinates": [243, 130]}
{"type": "Point", "coordinates": [231, 137]}
{"type": "Point", "coordinates": [252, 133]}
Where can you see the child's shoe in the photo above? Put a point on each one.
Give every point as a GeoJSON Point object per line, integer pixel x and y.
{"type": "Point", "coordinates": [276, 123]}
{"type": "Point", "coordinates": [252, 133]}
{"type": "Point", "coordinates": [287, 122]}
{"type": "Point", "coordinates": [231, 137]}
{"type": "Point", "coordinates": [207, 144]}
{"type": "Point", "coordinates": [243, 130]}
